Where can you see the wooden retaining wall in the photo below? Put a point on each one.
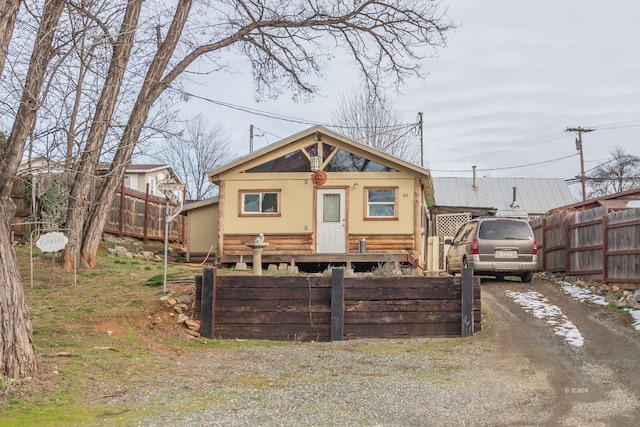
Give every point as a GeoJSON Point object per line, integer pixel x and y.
{"type": "Point", "coordinates": [592, 244]}
{"type": "Point", "coordinates": [300, 307]}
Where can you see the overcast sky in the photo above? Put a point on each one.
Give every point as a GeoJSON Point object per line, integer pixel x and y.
{"type": "Point", "coordinates": [512, 78]}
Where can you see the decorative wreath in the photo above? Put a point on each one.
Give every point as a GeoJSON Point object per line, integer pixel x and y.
{"type": "Point", "coordinates": [319, 177]}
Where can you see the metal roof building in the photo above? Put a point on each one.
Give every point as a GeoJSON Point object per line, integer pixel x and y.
{"type": "Point", "coordinates": [501, 196]}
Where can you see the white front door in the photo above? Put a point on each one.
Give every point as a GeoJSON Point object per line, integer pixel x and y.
{"type": "Point", "coordinates": [331, 221]}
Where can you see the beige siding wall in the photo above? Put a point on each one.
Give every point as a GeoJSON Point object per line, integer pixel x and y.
{"type": "Point", "coordinates": [298, 205]}
{"type": "Point", "coordinates": [202, 227]}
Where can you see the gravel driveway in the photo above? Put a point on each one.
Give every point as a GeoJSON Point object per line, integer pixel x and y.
{"type": "Point", "coordinates": [515, 372]}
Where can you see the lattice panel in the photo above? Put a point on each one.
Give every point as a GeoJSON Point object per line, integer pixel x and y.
{"type": "Point", "coordinates": [448, 224]}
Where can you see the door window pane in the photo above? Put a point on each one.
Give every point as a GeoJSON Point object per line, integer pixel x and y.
{"type": "Point", "coordinates": [331, 208]}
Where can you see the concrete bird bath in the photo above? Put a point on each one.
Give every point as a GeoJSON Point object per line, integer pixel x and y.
{"type": "Point", "coordinates": [256, 250]}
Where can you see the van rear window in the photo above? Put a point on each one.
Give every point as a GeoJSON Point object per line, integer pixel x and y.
{"type": "Point", "coordinates": [504, 230]}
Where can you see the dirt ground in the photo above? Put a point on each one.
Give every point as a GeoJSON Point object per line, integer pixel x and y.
{"type": "Point", "coordinates": [132, 364]}
{"type": "Point", "coordinates": [595, 384]}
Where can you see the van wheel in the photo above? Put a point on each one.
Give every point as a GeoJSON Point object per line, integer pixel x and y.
{"type": "Point", "coordinates": [465, 263]}
{"type": "Point", "coordinates": [527, 277]}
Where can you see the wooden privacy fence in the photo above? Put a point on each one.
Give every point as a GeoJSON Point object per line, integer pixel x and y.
{"type": "Point", "coordinates": [141, 215]}
{"type": "Point", "coordinates": [133, 213]}
{"type": "Point", "coordinates": [332, 308]}
{"type": "Point", "coordinates": [593, 244]}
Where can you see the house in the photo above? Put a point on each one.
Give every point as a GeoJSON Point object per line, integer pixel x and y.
{"type": "Point", "coordinates": [34, 178]}
{"type": "Point", "coordinates": [461, 199]}
{"type": "Point", "coordinates": [318, 197]}
{"type": "Point", "coordinates": [521, 197]}
{"type": "Point", "coordinates": [139, 176]}
{"type": "Point", "coordinates": [629, 199]}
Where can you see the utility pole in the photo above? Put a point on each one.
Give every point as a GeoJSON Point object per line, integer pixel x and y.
{"type": "Point", "coordinates": [250, 139]}
{"type": "Point", "coordinates": [582, 177]}
{"type": "Point", "coordinates": [421, 140]}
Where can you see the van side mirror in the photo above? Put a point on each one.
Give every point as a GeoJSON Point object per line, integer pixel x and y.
{"type": "Point", "coordinates": [448, 242]}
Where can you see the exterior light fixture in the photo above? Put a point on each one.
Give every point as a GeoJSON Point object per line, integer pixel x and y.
{"type": "Point", "coordinates": [315, 163]}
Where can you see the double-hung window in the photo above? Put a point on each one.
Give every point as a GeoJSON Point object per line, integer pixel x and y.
{"type": "Point", "coordinates": [260, 202]}
{"type": "Point", "coordinates": [381, 203]}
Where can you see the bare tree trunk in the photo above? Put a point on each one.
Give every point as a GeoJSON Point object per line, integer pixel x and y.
{"type": "Point", "coordinates": [17, 351]}
{"type": "Point", "coordinates": [151, 89]}
{"type": "Point", "coordinates": [85, 171]}
{"type": "Point", "coordinates": [8, 14]}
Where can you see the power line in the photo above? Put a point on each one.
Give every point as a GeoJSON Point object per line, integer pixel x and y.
{"type": "Point", "coordinates": [508, 167]}
{"type": "Point", "coordinates": [618, 125]}
{"type": "Point", "coordinates": [285, 118]}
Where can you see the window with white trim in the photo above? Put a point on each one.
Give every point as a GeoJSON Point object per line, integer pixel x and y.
{"type": "Point", "coordinates": [152, 186]}
{"type": "Point", "coordinates": [260, 202]}
{"type": "Point", "coordinates": [381, 202]}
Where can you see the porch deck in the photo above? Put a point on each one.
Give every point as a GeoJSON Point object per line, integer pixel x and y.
{"type": "Point", "coordinates": [334, 259]}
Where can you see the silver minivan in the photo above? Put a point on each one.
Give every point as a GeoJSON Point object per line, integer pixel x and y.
{"type": "Point", "coordinates": [494, 247]}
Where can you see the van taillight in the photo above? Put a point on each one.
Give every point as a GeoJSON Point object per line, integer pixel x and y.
{"type": "Point", "coordinates": [535, 247]}
{"type": "Point", "coordinates": [474, 247]}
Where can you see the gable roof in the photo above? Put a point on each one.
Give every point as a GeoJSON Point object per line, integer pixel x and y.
{"type": "Point", "coordinates": [533, 195]}
{"type": "Point", "coordinates": [143, 168]}
{"type": "Point", "coordinates": [322, 131]}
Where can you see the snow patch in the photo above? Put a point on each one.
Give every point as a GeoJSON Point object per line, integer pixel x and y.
{"type": "Point", "coordinates": [536, 304]}
{"type": "Point", "coordinates": [585, 295]}
{"type": "Point", "coordinates": [582, 294]}
{"type": "Point", "coordinates": [636, 317]}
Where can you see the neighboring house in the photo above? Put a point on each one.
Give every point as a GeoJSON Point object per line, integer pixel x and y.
{"type": "Point", "coordinates": [40, 173]}
{"type": "Point", "coordinates": [629, 199]}
{"type": "Point", "coordinates": [460, 199]}
{"type": "Point", "coordinates": [138, 177]}
{"type": "Point", "coordinates": [318, 197]}
{"type": "Point", "coordinates": [35, 177]}
{"type": "Point", "coordinates": [518, 197]}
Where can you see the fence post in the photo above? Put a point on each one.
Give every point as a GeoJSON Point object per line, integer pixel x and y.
{"type": "Point", "coordinates": [605, 249]}
{"type": "Point", "coordinates": [184, 219]}
{"type": "Point", "coordinates": [208, 309]}
{"type": "Point", "coordinates": [567, 250]}
{"type": "Point", "coordinates": [467, 302]}
{"type": "Point", "coordinates": [121, 213]}
{"type": "Point", "coordinates": [337, 304]}
{"type": "Point", "coordinates": [198, 302]}
{"type": "Point", "coordinates": [146, 213]}
{"type": "Point", "coordinates": [541, 245]}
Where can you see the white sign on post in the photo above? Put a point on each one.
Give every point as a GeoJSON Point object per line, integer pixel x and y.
{"type": "Point", "coordinates": [52, 242]}
{"type": "Point", "coordinates": [170, 186]}
{"type": "Point", "coordinates": [169, 189]}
